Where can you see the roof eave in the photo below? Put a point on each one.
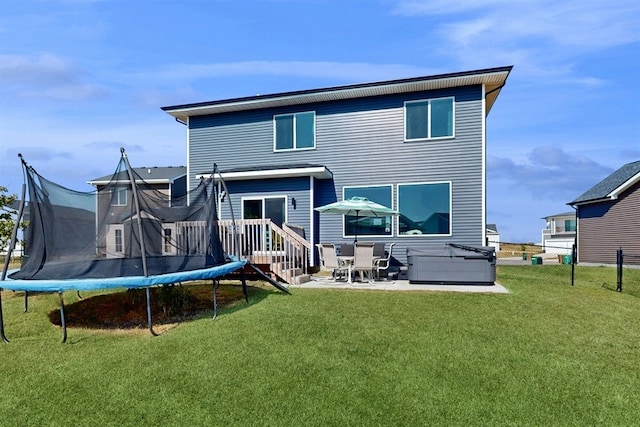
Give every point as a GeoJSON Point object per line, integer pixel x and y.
{"type": "Point", "coordinates": [319, 172]}
{"type": "Point", "coordinates": [493, 79]}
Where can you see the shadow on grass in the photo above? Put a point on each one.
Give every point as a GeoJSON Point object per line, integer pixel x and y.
{"type": "Point", "coordinates": [169, 305]}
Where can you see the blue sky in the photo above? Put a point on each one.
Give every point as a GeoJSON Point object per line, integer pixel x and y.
{"type": "Point", "coordinates": [81, 78]}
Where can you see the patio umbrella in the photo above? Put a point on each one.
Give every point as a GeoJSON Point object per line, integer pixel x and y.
{"type": "Point", "coordinates": [357, 206]}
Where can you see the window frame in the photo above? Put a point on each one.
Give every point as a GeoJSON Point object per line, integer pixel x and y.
{"type": "Point", "coordinates": [118, 240]}
{"type": "Point", "coordinates": [294, 136]}
{"type": "Point", "coordinates": [429, 119]}
{"type": "Point", "coordinates": [118, 194]}
{"type": "Point", "coordinates": [423, 235]}
{"type": "Point", "coordinates": [391, 225]}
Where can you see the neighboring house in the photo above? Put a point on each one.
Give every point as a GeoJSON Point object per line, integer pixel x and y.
{"type": "Point", "coordinates": [559, 235]}
{"type": "Point", "coordinates": [608, 217]}
{"type": "Point", "coordinates": [493, 237]}
{"type": "Point", "coordinates": [170, 182]}
{"type": "Point", "coordinates": [417, 145]}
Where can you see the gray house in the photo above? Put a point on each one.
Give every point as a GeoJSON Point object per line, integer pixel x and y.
{"type": "Point", "coordinates": [170, 183]}
{"type": "Point", "coordinates": [417, 145]}
{"type": "Point", "coordinates": [608, 217]}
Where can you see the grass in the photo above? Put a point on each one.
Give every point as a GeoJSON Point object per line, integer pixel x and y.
{"type": "Point", "coordinates": [545, 354]}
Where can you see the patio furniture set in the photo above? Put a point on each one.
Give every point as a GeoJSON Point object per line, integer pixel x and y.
{"type": "Point", "coordinates": [366, 258]}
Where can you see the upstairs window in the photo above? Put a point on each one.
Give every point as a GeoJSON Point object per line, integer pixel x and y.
{"type": "Point", "coordinates": [428, 119]}
{"type": "Point", "coordinates": [295, 131]}
{"type": "Point", "coordinates": [119, 196]}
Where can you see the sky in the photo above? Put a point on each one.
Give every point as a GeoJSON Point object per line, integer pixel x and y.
{"type": "Point", "coordinates": [81, 78]}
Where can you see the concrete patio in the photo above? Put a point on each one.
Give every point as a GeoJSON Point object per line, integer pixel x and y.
{"type": "Point", "coordinates": [327, 282]}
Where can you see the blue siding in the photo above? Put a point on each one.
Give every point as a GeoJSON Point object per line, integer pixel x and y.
{"type": "Point", "coordinates": [361, 142]}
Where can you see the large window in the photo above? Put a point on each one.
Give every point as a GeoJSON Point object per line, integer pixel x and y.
{"type": "Point", "coordinates": [429, 119]}
{"type": "Point", "coordinates": [119, 196]}
{"type": "Point", "coordinates": [425, 208]}
{"type": "Point", "coordinates": [369, 226]}
{"type": "Point", "coordinates": [294, 131]}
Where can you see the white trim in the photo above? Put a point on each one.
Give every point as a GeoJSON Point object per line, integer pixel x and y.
{"type": "Point", "coordinates": [189, 164]}
{"type": "Point", "coordinates": [494, 78]}
{"type": "Point", "coordinates": [348, 236]}
{"type": "Point", "coordinates": [410, 236]}
{"type": "Point", "coordinates": [484, 238]}
{"type": "Point", "coordinates": [429, 137]}
{"type": "Point", "coordinates": [294, 148]}
{"type": "Point", "coordinates": [312, 224]}
{"type": "Point", "coordinates": [263, 198]}
{"type": "Point", "coordinates": [622, 188]}
{"type": "Point", "coordinates": [320, 172]}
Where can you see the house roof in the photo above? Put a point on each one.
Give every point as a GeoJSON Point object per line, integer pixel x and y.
{"type": "Point", "coordinates": [569, 213]}
{"type": "Point", "coordinates": [612, 186]}
{"type": "Point", "coordinates": [493, 79]}
{"type": "Point", "coordinates": [273, 171]}
{"type": "Point", "coordinates": [151, 175]}
{"type": "Point", "coordinates": [492, 227]}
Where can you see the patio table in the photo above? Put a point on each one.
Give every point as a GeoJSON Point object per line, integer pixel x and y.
{"type": "Point", "coordinates": [349, 261]}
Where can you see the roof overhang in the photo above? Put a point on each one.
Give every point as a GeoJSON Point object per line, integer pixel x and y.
{"type": "Point", "coordinates": [319, 172]}
{"type": "Point", "coordinates": [126, 181]}
{"type": "Point", "coordinates": [493, 80]}
{"type": "Point", "coordinates": [614, 194]}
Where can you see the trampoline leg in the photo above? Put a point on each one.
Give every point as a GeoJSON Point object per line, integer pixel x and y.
{"type": "Point", "coordinates": [63, 321]}
{"type": "Point", "coordinates": [79, 296]}
{"type": "Point", "coordinates": [2, 335]}
{"type": "Point", "coordinates": [215, 283]}
{"type": "Point", "coordinates": [149, 313]}
{"type": "Point", "coordinates": [245, 291]}
{"type": "Point", "coordinates": [26, 301]}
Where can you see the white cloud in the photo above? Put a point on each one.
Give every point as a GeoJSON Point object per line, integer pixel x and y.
{"type": "Point", "coordinates": [540, 36]}
{"type": "Point", "coordinates": [46, 76]}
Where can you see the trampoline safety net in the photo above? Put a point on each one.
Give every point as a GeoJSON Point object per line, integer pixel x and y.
{"type": "Point", "coordinates": [125, 227]}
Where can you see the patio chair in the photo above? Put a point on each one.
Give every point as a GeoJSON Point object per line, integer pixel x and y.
{"type": "Point", "coordinates": [320, 255]}
{"type": "Point", "coordinates": [382, 264]}
{"type": "Point", "coordinates": [363, 259]}
{"type": "Point", "coordinates": [346, 249]}
{"type": "Point", "coordinates": [331, 261]}
{"type": "Point", "coordinates": [378, 249]}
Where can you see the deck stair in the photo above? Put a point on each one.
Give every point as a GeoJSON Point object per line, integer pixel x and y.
{"type": "Point", "coordinates": [282, 250]}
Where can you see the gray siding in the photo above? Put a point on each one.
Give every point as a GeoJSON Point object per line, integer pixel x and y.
{"type": "Point", "coordinates": [362, 142]}
{"type": "Point", "coordinates": [605, 227]}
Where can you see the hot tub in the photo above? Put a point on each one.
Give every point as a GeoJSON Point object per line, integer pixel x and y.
{"type": "Point", "coordinates": [450, 264]}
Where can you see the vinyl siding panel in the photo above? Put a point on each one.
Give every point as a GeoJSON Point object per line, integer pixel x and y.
{"type": "Point", "coordinates": [361, 142]}
{"type": "Point", "coordinates": [605, 227]}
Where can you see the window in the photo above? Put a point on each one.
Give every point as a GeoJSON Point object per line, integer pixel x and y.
{"type": "Point", "coordinates": [118, 245]}
{"type": "Point", "coordinates": [119, 196]}
{"type": "Point", "coordinates": [369, 226]}
{"type": "Point", "coordinates": [428, 119]}
{"type": "Point", "coordinates": [569, 225]}
{"type": "Point", "coordinates": [294, 131]}
{"type": "Point", "coordinates": [167, 240]}
{"type": "Point", "coordinates": [424, 209]}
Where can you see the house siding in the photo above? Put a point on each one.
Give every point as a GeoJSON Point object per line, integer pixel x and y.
{"type": "Point", "coordinates": [605, 227]}
{"type": "Point", "coordinates": [361, 141]}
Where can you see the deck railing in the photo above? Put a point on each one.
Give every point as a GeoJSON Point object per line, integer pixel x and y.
{"type": "Point", "coordinates": [263, 242]}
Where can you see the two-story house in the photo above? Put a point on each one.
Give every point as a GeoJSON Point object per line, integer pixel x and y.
{"type": "Point", "coordinates": [165, 188]}
{"type": "Point", "coordinates": [559, 234]}
{"type": "Point", "coordinates": [417, 145]}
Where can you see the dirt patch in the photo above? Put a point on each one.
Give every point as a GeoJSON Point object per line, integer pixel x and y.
{"type": "Point", "coordinates": [128, 309]}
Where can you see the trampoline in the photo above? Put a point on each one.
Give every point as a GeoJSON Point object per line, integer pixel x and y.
{"type": "Point", "coordinates": [124, 234]}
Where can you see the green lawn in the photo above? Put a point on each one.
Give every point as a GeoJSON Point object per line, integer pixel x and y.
{"type": "Point", "coordinates": [545, 354]}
